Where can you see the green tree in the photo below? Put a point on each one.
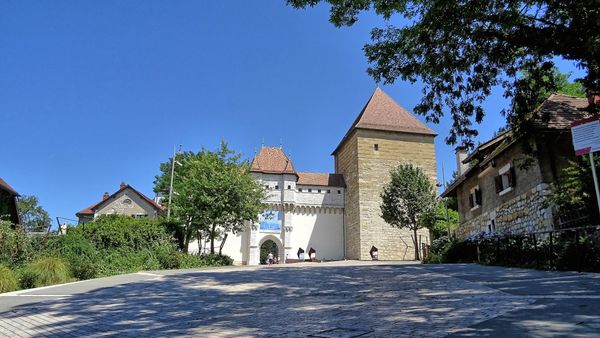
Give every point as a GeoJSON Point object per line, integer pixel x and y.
{"type": "Point", "coordinates": [461, 50]}
{"type": "Point", "coordinates": [214, 193]}
{"type": "Point", "coordinates": [407, 198]}
{"type": "Point", "coordinates": [440, 220]}
{"type": "Point", "coordinates": [33, 216]}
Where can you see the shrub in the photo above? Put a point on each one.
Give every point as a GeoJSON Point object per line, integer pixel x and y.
{"type": "Point", "coordinates": [187, 261]}
{"type": "Point", "coordinates": [8, 281]}
{"type": "Point", "coordinates": [80, 253]}
{"type": "Point", "coordinates": [124, 232]}
{"type": "Point", "coordinates": [116, 262]}
{"type": "Point", "coordinates": [45, 271]}
{"type": "Point", "coordinates": [15, 246]}
{"type": "Point", "coordinates": [168, 257]}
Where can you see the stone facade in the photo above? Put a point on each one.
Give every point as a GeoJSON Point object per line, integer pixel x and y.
{"type": "Point", "coordinates": [126, 201]}
{"type": "Point", "coordinates": [370, 168]}
{"type": "Point", "coordinates": [524, 213]}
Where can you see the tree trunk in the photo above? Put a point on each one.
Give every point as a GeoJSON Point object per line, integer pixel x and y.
{"type": "Point", "coordinates": [212, 239]}
{"type": "Point", "coordinates": [186, 244]}
{"type": "Point", "coordinates": [222, 244]}
{"type": "Point", "coordinates": [416, 241]}
{"type": "Point", "coordinates": [198, 237]}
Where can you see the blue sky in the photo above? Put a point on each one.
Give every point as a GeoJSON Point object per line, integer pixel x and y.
{"type": "Point", "coordinates": [93, 93]}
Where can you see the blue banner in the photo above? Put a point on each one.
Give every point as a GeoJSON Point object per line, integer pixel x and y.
{"type": "Point", "coordinates": [270, 220]}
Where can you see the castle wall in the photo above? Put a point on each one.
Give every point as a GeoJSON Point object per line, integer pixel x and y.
{"type": "Point", "coordinates": [374, 167]}
{"type": "Point", "coordinates": [346, 163]}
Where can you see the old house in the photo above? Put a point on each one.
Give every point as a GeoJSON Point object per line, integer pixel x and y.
{"type": "Point", "coordinates": [125, 201]}
{"type": "Point", "coordinates": [9, 210]}
{"type": "Point", "coordinates": [497, 191]}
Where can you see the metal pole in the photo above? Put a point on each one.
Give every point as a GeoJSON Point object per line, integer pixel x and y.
{"type": "Point", "coordinates": [595, 179]}
{"type": "Point", "coordinates": [446, 201]}
{"type": "Point", "coordinates": [171, 184]}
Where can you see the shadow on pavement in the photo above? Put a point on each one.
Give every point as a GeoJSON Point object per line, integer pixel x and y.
{"type": "Point", "coordinates": [383, 300]}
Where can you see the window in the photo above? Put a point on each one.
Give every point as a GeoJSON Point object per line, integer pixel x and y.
{"type": "Point", "coordinates": [505, 180]}
{"type": "Point", "coordinates": [376, 147]}
{"type": "Point", "coordinates": [319, 190]}
{"type": "Point", "coordinates": [289, 187]}
{"type": "Point", "coordinates": [266, 186]}
{"type": "Point", "coordinates": [276, 187]}
{"type": "Point", "coordinates": [339, 191]}
{"type": "Point", "coordinates": [475, 198]}
{"type": "Point", "coordinates": [300, 189]}
{"type": "Point", "coordinates": [309, 190]}
{"type": "Point", "coordinates": [492, 227]}
{"type": "Point", "coordinates": [328, 191]}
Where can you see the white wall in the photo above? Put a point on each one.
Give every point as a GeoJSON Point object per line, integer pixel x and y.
{"type": "Point", "coordinates": [235, 247]}
{"type": "Point", "coordinates": [319, 228]}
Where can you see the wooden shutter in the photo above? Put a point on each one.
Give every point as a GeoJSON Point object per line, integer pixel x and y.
{"type": "Point", "coordinates": [471, 202]}
{"type": "Point", "coordinates": [498, 183]}
{"type": "Point", "coordinates": [512, 180]}
{"type": "Point", "coordinates": [478, 196]}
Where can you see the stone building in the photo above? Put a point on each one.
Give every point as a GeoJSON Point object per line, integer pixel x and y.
{"type": "Point", "coordinates": [125, 201]}
{"type": "Point", "coordinates": [496, 193]}
{"type": "Point", "coordinates": [337, 214]}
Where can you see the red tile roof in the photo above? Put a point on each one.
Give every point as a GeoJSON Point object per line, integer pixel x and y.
{"type": "Point", "coordinates": [272, 160]}
{"type": "Point", "coordinates": [321, 179]}
{"type": "Point", "coordinates": [4, 186]}
{"type": "Point", "coordinates": [562, 110]}
{"type": "Point", "coordinates": [92, 208]}
{"type": "Point", "coordinates": [383, 113]}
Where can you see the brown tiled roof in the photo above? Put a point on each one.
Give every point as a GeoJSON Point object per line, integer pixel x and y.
{"type": "Point", "coordinates": [321, 179]}
{"type": "Point", "coordinates": [91, 209]}
{"type": "Point", "coordinates": [272, 160]}
{"type": "Point", "coordinates": [562, 110]}
{"type": "Point", "coordinates": [383, 113]}
{"type": "Point", "coordinates": [4, 186]}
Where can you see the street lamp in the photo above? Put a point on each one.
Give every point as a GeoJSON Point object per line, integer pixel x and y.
{"type": "Point", "coordinates": [173, 162]}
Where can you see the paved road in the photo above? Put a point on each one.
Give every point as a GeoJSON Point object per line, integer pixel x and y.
{"type": "Point", "coordinates": [344, 299]}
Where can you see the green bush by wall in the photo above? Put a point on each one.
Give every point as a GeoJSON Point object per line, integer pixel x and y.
{"type": "Point", "coordinates": [8, 281]}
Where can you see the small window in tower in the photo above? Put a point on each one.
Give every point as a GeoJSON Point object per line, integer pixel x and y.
{"type": "Point", "coordinates": [289, 187]}
{"type": "Point", "coordinates": [376, 147]}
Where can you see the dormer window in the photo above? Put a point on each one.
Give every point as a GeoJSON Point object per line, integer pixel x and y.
{"type": "Point", "coordinates": [475, 198]}
{"type": "Point", "coordinates": [505, 181]}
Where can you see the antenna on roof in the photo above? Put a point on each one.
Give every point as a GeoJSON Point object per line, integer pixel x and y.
{"type": "Point", "coordinates": [281, 143]}
{"type": "Point", "coordinates": [262, 143]}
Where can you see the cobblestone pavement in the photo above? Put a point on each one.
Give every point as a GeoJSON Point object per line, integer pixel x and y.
{"type": "Point", "coordinates": [343, 299]}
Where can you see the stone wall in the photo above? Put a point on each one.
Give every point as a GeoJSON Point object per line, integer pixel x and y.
{"type": "Point", "coordinates": [522, 214]}
{"type": "Point", "coordinates": [346, 163]}
{"type": "Point", "coordinates": [364, 225]}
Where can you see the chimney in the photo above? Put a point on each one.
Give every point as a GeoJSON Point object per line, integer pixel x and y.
{"type": "Point", "coordinates": [461, 154]}
{"type": "Point", "coordinates": [122, 185]}
{"type": "Point", "coordinates": [105, 196]}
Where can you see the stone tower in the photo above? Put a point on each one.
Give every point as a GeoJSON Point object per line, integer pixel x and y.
{"type": "Point", "coordinates": [383, 135]}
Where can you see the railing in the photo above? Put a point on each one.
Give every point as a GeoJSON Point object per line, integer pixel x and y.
{"type": "Point", "coordinates": [575, 218]}
{"type": "Point", "coordinates": [576, 248]}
